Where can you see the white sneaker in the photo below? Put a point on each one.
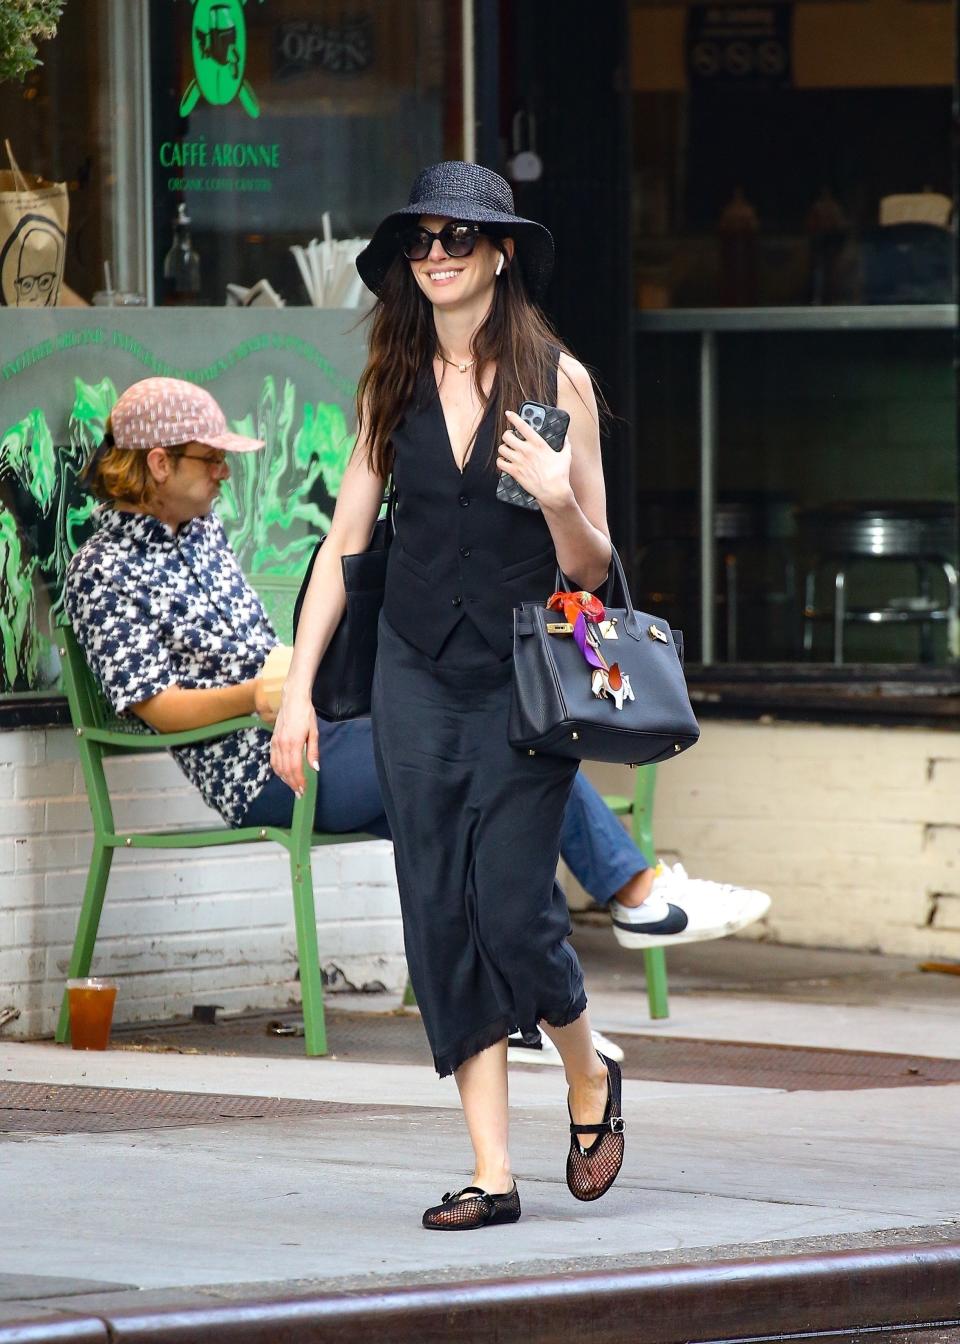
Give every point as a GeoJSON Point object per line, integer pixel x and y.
{"type": "Point", "coordinates": [682, 909]}
{"type": "Point", "coordinates": [543, 1050]}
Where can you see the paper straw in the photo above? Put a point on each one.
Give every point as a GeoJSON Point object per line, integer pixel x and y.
{"type": "Point", "coordinates": [329, 272]}
{"type": "Point", "coordinates": [314, 258]}
{"type": "Point", "coordinates": [305, 274]}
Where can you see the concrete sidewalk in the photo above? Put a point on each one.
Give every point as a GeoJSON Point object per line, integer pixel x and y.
{"type": "Point", "coordinates": [229, 1209]}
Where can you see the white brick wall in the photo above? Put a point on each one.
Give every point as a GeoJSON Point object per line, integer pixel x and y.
{"type": "Point", "coordinates": [178, 927]}
{"type": "Point", "coordinates": [854, 832]}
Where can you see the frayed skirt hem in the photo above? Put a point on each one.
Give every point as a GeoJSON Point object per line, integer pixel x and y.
{"type": "Point", "coordinates": [576, 1009]}
{"type": "Point", "coordinates": [458, 1054]}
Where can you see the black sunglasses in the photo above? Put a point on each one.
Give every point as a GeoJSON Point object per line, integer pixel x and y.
{"type": "Point", "coordinates": [457, 239]}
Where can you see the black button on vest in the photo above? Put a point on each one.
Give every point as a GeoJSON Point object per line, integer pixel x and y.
{"type": "Point", "coordinates": [442, 517]}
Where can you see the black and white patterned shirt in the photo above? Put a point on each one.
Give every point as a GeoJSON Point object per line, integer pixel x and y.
{"type": "Point", "coordinates": [153, 608]}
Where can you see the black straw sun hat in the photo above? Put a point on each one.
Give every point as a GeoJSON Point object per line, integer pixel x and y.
{"type": "Point", "coordinates": [470, 192]}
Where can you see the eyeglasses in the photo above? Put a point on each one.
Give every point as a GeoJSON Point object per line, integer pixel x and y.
{"type": "Point", "coordinates": [219, 460]}
{"type": "Point", "coordinates": [43, 282]}
{"type": "Point", "coordinates": [456, 238]}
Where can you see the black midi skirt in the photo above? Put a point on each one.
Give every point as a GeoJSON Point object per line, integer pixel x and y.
{"type": "Point", "coordinates": [476, 833]}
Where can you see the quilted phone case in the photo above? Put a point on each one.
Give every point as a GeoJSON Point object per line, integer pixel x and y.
{"type": "Point", "coordinates": [551, 424]}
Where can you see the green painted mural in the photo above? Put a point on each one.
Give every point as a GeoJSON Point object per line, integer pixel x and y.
{"type": "Point", "coordinates": [268, 506]}
{"type": "Point", "coordinates": [273, 507]}
{"type": "Point", "coordinates": [35, 559]}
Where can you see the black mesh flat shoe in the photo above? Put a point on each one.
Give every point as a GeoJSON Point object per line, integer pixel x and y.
{"type": "Point", "coordinates": [591, 1171]}
{"type": "Point", "coordinates": [459, 1214]}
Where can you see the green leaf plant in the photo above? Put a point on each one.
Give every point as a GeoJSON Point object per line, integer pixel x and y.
{"type": "Point", "coordinates": [24, 23]}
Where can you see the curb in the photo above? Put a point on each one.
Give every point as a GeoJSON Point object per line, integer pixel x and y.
{"type": "Point", "coordinates": [907, 1288]}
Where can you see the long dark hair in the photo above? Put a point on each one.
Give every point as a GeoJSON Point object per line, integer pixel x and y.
{"type": "Point", "coordinates": [515, 335]}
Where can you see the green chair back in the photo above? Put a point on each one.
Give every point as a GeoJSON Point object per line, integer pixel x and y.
{"type": "Point", "coordinates": [278, 593]}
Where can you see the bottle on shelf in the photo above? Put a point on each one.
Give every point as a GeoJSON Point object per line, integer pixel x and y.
{"type": "Point", "coordinates": [181, 265]}
{"type": "Point", "coordinates": [827, 229]}
{"type": "Point", "coordinates": [738, 227]}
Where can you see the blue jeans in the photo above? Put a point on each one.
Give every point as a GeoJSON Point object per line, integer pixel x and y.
{"type": "Point", "coordinates": [594, 845]}
{"type": "Point", "coordinates": [348, 793]}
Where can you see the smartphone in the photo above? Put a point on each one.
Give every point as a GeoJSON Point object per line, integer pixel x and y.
{"type": "Point", "coordinates": [551, 424]}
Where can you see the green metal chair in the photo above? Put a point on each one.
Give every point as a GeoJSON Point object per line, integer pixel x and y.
{"type": "Point", "coordinates": [639, 809]}
{"type": "Point", "coordinates": [99, 735]}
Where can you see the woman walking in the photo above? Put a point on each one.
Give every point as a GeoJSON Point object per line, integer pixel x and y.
{"type": "Point", "coordinates": [457, 343]}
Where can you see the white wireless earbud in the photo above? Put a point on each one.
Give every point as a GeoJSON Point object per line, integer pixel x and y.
{"type": "Point", "coordinates": [499, 264]}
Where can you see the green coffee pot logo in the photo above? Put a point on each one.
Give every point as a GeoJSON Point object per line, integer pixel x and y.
{"type": "Point", "coordinates": [219, 57]}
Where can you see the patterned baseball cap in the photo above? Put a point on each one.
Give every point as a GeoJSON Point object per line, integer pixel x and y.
{"type": "Point", "coordinates": [164, 412]}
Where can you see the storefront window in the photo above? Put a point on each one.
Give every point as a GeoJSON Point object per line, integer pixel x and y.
{"type": "Point", "coordinates": [794, 248]}
{"type": "Point", "coordinates": [59, 124]}
{"type": "Point", "coordinates": [269, 116]}
{"type": "Point", "coordinates": [792, 152]}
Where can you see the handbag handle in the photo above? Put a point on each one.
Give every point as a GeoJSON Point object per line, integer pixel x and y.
{"type": "Point", "coordinates": [391, 493]}
{"type": "Point", "coordinates": [21, 182]}
{"type": "Point", "coordinates": [630, 622]}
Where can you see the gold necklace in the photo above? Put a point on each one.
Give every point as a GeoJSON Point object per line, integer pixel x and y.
{"type": "Point", "coordinates": [456, 363]}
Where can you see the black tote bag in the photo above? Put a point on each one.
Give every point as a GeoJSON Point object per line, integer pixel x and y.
{"type": "Point", "coordinates": [344, 680]}
{"type": "Point", "coordinates": [554, 710]}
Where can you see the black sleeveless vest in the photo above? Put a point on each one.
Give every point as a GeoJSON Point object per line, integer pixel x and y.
{"type": "Point", "coordinates": [458, 551]}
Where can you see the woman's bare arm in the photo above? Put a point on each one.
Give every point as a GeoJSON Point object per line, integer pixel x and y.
{"type": "Point", "coordinates": [580, 531]}
{"type": "Point", "coordinates": [567, 485]}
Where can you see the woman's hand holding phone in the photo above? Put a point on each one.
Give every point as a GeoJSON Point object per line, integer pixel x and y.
{"type": "Point", "coordinates": [538, 468]}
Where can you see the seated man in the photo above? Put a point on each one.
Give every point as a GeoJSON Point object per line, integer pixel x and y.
{"type": "Point", "coordinates": [176, 636]}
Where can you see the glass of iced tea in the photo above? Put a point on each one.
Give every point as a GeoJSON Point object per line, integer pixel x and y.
{"type": "Point", "coordinates": [91, 1012]}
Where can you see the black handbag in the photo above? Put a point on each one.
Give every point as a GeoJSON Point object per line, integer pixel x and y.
{"type": "Point", "coordinates": [554, 710]}
{"type": "Point", "coordinates": [344, 680]}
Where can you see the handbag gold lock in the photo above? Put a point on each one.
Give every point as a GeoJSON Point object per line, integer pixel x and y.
{"type": "Point", "coordinates": [656, 633]}
{"type": "Point", "coordinates": [559, 628]}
